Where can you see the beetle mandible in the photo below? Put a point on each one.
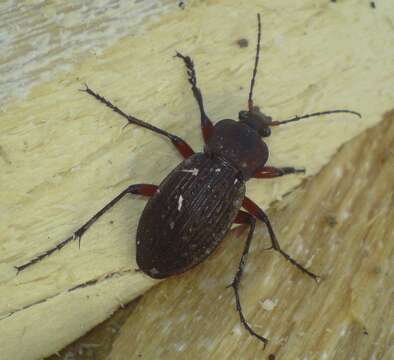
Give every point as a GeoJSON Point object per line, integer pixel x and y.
{"type": "Point", "coordinates": [193, 208]}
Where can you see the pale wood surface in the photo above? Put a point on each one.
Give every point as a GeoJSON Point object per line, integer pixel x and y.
{"type": "Point", "coordinates": [63, 156]}
{"type": "Point", "coordinates": [42, 39]}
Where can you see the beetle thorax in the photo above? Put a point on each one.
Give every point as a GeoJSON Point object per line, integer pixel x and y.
{"type": "Point", "coordinates": [238, 144]}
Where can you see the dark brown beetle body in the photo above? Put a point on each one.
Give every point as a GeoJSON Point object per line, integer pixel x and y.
{"type": "Point", "coordinates": [190, 212]}
{"type": "Point", "coordinates": [197, 202]}
{"type": "Point", "coordinates": [189, 215]}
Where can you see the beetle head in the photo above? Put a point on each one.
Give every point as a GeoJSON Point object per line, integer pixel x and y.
{"type": "Point", "coordinates": [260, 122]}
{"type": "Point", "coordinates": [257, 120]}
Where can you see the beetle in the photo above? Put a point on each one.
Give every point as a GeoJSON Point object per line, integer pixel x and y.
{"type": "Point", "coordinates": [190, 212]}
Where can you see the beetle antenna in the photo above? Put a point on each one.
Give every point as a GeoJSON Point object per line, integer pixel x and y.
{"type": "Point", "coordinates": [250, 101]}
{"type": "Point", "coordinates": [296, 118]}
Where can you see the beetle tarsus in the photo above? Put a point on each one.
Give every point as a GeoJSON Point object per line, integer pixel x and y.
{"type": "Point", "coordinates": [44, 255]}
{"type": "Point", "coordinates": [206, 123]}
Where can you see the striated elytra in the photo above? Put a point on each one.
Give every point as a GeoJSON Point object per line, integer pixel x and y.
{"type": "Point", "coordinates": [188, 216]}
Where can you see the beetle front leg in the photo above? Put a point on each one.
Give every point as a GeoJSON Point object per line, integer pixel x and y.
{"type": "Point", "coordinates": [269, 172]}
{"type": "Point", "coordinates": [244, 218]}
{"type": "Point", "coordinates": [255, 210]}
{"type": "Point", "coordinates": [138, 189]}
{"type": "Point", "coordinates": [206, 124]}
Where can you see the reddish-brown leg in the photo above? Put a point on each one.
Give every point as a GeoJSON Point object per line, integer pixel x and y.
{"type": "Point", "coordinates": [258, 213]}
{"type": "Point", "coordinates": [206, 124]}
{"type": "Point", "coordinates": [138, 189]}
{"type": "Point", "coordinates": [180, 144]}
{"type": "Point", "coordinates": [269, 172]}
{"type": "Point", "coordinates": [244, 218]}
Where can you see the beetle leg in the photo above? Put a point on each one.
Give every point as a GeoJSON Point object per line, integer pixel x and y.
{"type": "Point", "coordinates": [260, 214]}
{"type": "Point", "coordinates": [206, 124]}
{"type": "Point", "coordinates": [268, 172]}
{"type": "Point", "coordinates": [244, 218]}
{"type": "Point", "coordinates": [179, 143]}
{"type": "Point", "coordinates": [138, 189]}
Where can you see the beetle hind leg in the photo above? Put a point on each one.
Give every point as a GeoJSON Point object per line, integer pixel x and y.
{"type": "Point", "coordinates": [138, 189]}
{"type": "Point", "coordinates": [244, 218]}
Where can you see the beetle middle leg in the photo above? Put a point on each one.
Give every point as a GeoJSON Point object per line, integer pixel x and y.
{"type": "Point", "coordinates": [138, 189]}
{"type": "Point", "coordinates": [255, 210]}
{"type": "Point", "coordinates": [268, 172]}
{"type": "Point", "coordinates": [181, 145]}
{"type": "Point", "coordinates": [206, 124]}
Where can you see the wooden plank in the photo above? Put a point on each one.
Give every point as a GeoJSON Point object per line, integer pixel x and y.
{"type": "Point", "coordinates": [64, 156]}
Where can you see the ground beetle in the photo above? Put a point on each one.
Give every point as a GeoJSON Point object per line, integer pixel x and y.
{"type": "Point", "coordinates": [191, 211]}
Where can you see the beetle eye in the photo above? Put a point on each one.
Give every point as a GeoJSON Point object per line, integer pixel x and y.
{"type": "Point", "coordinates": [243, 115]}
{"type": "Point", "coordinates": [265, 132]}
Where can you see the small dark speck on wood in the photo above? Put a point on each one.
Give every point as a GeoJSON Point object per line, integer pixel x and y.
{"type": "Point", "coordinates": [182, 4]}
{"type": "Point", "coordinates": [372, 4]}
{"type": "Point", "coordinates": [331, 220]}
{"type": "Point", "coordinates": [243, 43]}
